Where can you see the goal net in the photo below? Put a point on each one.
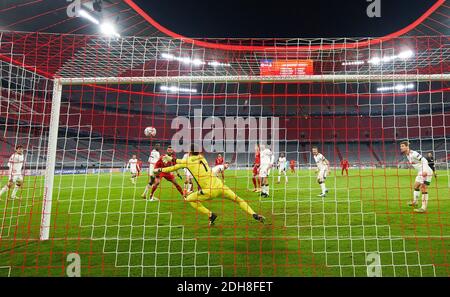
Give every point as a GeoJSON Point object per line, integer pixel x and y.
{"type": "Point", "coordinates": [79, 106]}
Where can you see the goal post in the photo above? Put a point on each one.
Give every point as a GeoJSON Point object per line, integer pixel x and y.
{"type": "Point", "coordinates": [51, 161]}
{"type": "Point", "coordinates": [387, 78]}
{"type": "Point", "coordinates": [59, 83]}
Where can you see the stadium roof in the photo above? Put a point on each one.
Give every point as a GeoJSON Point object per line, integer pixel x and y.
{"type": "Point", "coordinates": [51, 16]}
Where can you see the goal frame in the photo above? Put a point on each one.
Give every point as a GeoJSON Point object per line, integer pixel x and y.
{"type": "Point", "coordinates": [60, 82]}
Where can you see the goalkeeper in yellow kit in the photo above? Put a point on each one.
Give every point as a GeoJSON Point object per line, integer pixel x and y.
{"type": "Point", "coordinates": [210, 186]}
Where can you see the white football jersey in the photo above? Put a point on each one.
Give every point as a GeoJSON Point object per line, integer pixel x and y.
{"type": "Point", "coordinates": [418, 161]}
{"type": "Point", "coordinates": [282, 162]}
{"type": "Point", "coordinates": [320, 161]}
{"type": "Point", "coordinates": [154, 157]}
{"type": "Point", "coordinates": [15, 164]}
{"type": "Point", "coordinates": [218, 169]}
{"type": "Point", "coordinates": [266, 157]}
{"type": "Point", "coordinates": [133, 163]}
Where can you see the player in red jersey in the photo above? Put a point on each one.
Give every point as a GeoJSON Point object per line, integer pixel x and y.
{"type": "Point", "coordinates": [163, 162]}
{"type": "Point", "coordinates": [292, 166]}
{"type": "Point", "coordinates": [344, 166]}
{"type": "Point", "coordinates": [220, 161]}
{"type": "Point", "coordinates": [139, 169]}
{"type": "Point", "coordinates": [256, 164]}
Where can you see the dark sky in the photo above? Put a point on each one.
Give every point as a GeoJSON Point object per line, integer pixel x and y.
{"type": "Point", "coordinates": [282, 18]}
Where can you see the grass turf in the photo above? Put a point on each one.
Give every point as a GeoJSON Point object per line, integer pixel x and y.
{"type": "Point", "coordinates": [117, 233]}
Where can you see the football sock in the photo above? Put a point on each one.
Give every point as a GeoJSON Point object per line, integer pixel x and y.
{"type": "Point", "coordinates": [4, 189]}
{"type": "Point", "coordinates": [416, 195]}
{"type": "Point", "coordinates": [180, 190]}
{"type": "Point", "coordinates": [14, 192]}
{"type": "Point", "coordinates": [424, 200]}
{"type": "Point", "coordinates": [153, 189]}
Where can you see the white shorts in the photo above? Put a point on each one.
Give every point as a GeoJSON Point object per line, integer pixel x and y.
{"type": "Point", "coordinates": [16, 179]}
{"type": "Point", "coordinates": [187, 173]}
{"type": "Point", "coordinates": [322, 175]}
{"type": "Point", "coordinates": [281, 170]}
{"type": "Point", "coordinates": [151, 168]}
{"type": "Point", "coordinates": [264, 170]}
{"type": "Point", "coordinates": [133, 171]}
{"type": "Point", "coordinates": [427, 180]}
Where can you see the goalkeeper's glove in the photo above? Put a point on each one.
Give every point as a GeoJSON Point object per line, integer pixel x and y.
{"type": "Point", "coordinates": [167, 159]}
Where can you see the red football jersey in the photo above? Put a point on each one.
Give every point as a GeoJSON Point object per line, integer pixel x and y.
{"type": "Point", "coordinates": [160, 163]}
{"type": "Point", "coordinates": [258, 158]}
{"type": "Point", "coordinates": [219, 161]}
{"type": "Point", "coordinates": [344, 163]}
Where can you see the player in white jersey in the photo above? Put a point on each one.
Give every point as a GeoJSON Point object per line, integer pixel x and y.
{"type": "Point", "coordinates": [133, 166]}
{"type": "Point", "coordinates": [154, 157]}
{"type": "Point", "coordinates": [322, 168]}
{"type": "Point", "coordinates": [188, 184]}
{"type": "Point", "coordinates": [15, 177]}
{"type": "Point", "coordinates": [272, 163]}
{"type": "Point", "coordinates": [282, 166]}
{"type": "Point", "coordinates": [219, 169]}
{"type": "Point", "coordinates": [423, 178]}
{"type": "Point", "coordinates": [266, 163]}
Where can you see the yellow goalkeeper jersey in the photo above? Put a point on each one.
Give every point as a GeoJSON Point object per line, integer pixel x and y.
{"type": "Point", "coordinates": [200, 170]}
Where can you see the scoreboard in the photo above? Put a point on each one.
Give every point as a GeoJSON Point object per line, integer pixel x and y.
{"type": "Point", "coordinates": [286, 67]}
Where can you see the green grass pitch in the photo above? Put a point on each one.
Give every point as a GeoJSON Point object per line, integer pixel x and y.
{"type": "Point", "coordinates": [117, 233]}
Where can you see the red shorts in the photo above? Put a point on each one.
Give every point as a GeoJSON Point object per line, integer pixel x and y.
{"type": "Point", "coordinates": [255, 169]}
{"type": "Point", "coordinates": [167, 176]}
{"type": "Point", "coordinates": [292, 166]}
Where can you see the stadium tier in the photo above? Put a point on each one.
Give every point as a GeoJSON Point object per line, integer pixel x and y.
{"type": "Point", "coordinates": [81, 105]}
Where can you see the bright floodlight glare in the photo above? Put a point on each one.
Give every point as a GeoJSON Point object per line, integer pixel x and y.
{"type": "Point", "coordinates": [167, 56]}
{"type": "Point", "coordinates": [375, 61]}
{"type": "Point", "coordinates": [196, 62]}
{"type": "Point", "coordinates": [108, 29]}
{"type": "Point", "coordinates": [216, 64]}
{"type": "Point", "coordinates": [175, 89]}
{"type": "Point", "coordinates": [406, 54]}
{"type": "Point", "coordinates": [84, 14]}
{"type": "Point", "coordinates": [398, 87]}
{"type": "Point", "coordinates": [350, 63]}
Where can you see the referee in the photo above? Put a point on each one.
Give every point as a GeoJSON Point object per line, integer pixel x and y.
{"type": "Point", "coordinates": [430, 160]}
